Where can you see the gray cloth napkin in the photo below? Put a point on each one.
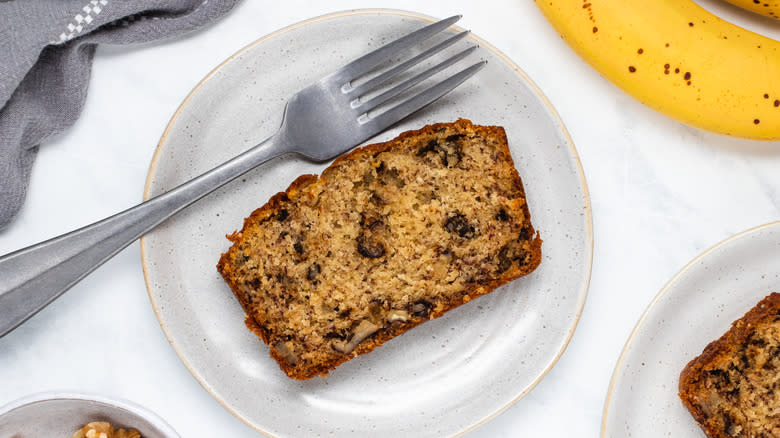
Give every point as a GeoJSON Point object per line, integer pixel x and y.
{"type": "Point", "coordinates": [46, 50]}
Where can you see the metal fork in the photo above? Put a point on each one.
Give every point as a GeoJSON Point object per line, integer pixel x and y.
{"type": "Point", "coordinates": [320, 122]}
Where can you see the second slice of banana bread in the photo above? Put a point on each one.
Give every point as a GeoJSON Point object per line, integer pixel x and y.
{"type": "Point", "coordinates": [733, 388]}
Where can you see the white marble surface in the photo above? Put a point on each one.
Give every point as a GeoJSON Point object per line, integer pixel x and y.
{"type": "Point", "coordinates": [661, 193]}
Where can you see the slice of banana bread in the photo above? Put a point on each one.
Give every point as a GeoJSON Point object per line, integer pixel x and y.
{"type": "Point", "coordinates": [390, 236]}
{"type": "Point", "coordinates": [733, 388]}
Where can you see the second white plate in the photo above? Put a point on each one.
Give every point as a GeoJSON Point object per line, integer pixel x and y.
{"type": "Point", "coordinates": [440, 379]}
{"type": "Point", "coordinates": [696, 307]}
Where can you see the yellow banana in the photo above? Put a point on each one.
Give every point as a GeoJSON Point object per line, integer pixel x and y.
{"type": "Point", "coordinates": [678, 59]}
{"type": "Point", "coordinates": [770, 8]}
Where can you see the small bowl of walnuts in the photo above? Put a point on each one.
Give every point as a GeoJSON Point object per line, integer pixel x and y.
{"type": "Point", "coordinates": [72, 415]}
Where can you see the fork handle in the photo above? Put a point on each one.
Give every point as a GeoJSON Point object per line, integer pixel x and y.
{"type": "Point", "coordinates": [33, 277]}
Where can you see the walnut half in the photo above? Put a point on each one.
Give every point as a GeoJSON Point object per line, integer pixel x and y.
{"type": "Point", "coordinates": [102, 429]}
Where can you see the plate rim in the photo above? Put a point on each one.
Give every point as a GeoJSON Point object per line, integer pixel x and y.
{"type": "Point", "coordinates": [619, 365]}
{"type": "Point", "coordinates": [587, 208]}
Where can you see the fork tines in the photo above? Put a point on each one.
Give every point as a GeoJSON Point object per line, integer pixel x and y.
{"type": "Point", "coordinates": [369, 96]}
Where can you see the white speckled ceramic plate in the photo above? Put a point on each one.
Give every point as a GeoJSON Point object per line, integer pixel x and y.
{"type": "Point", "coordinates": [61, 414]}
{"type": "Point", "coordinates": [440, 379]}
{"type": "Point", "coordinates": [696, 307]}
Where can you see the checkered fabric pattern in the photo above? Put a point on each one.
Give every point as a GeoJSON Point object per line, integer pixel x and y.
{"type": "Point", "coordinates": [85, 17]}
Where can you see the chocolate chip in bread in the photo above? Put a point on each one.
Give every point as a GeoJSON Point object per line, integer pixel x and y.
{"type": "Point", "coordinates": [390, 236]}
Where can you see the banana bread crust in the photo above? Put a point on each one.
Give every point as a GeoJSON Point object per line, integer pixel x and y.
{"type": "Point", "coordinates": [729, 388]}
{"type": "Point", "coordinates": [281, 203]}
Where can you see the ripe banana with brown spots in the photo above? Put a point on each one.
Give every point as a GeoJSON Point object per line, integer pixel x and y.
{"type": "Point", "coordinates": [678, 59]}
{"type": "Point", "coordinates": [769, 8]}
